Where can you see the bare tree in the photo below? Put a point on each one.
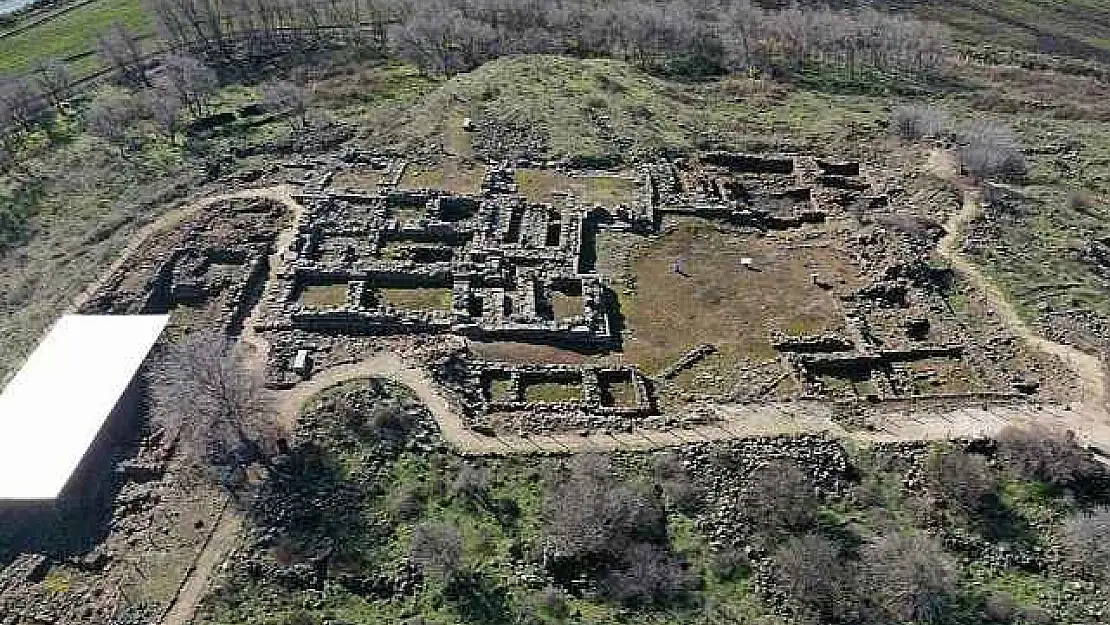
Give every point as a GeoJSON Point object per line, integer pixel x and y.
{"type": "Point", "coordinates": [190, 81]}
{"type": "Point", "coordinates": [648, 574]}
{"type": "Point", "coordinates": [286, 97]}
{"type": "Point", "coordinates": [593, 518]}
{"type": "Point", "coordinates": [119, 47]}
{"type": "Point", "coordinates": [110, 118]}
{"type": "Point", "coordinates": [991, 151]}
{"type": "Point", "coordinates": [917, 122]}
{"type": "Point", "coordinates": [676, 482]}
{"type": "Point", "coordinates": [53, 79]}
{"type": "Point", "coordinates": [779, 496]}
{"type": "Point", "coordinates": [164, 109]}
{"type": "Point", "coordinates": [23, 104]}
{"type": "Point", "coordinates": [964, 481]}
{"type": "Point", "coordinates": [1087, 543]}
{"type": "Point", "coordinates": [212, 403]}
{"type": "Point", "coordinates": [437, 548]}
{"type": "Point", "coordinates": [909, 578]}
{"type": "Point", "coordinates": [1046, 456]}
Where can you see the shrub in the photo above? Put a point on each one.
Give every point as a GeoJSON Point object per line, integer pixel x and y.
{"type": "Point", "coordinates": [648, 574]}
{"type": "Point", "coordinates": [999, 607]}
{"type": "Point", "coordinates": [962, 480]}
{"type": "Point", "coordinates": [779, 496]}
{"type": "Point", "coordinates": [1046, 456]}
{"type": "Point", "coordinates": [991, 151]}
{"type": "Point", "coordinates": [437, 548]}
{"type": "Point", "coordinates": [909, 578]}
{"type": "Point", "coordinates": [810, 570]}
{"type": "Point", "coordinates": [914, 123]}
{"type": "Point", "coordinates": [1086, 539]}
{"type": "Point", "coordinates": [471, 483]}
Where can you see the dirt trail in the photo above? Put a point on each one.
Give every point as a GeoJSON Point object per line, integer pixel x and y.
{"type": "Point", "coordinates": [1090, 420]}
{"type": "Point", "coordinates": [220, 542]}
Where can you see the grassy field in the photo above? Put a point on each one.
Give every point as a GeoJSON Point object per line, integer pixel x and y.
{"type": "Point", "coordinates": [324, 296]}
{"type": "Point", "coordinates": [70, 36]}
{"type": "Point", "coordinates": [1075, 27]}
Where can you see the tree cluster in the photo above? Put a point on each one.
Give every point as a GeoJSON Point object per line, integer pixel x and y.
{"type": "Point", "coordinates": [614, 531]}
{"type": "Point", "coordinates": [893, 578]}
{"type": "Point", "coordinates": [448, 36]}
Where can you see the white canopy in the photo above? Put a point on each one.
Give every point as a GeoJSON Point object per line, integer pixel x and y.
{"type": "Point", "coordinates": [53, 409]}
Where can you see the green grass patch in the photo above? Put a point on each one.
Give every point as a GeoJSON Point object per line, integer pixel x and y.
{"type": "Point", "coordinates": [552, 392]}
{"type": "Point", "coordinates": [324, 295]}
{"type": "Point", "coordinates": [417, 298]}
{"type": "Point", "coordinates": [71, 34]}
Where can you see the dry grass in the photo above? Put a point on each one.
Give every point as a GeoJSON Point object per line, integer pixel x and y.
{"type": "Point", "coordinates": [565, 306]}
{"type": "Point", "coordinates": [501, 389]}
{"type": "Point", "coordinates": [934, 376]}
{"type": "Point", "coordinates": [324, 295]}
{"type": "Point", "coordinates": [366, 178]}
{"type": "Point", "coordinates": [721, 303]}
{"type": "Point", "coordinates": [507, 351]}
{"type": "Point", "coordinates": [454, 175]}
{"type": "Point", "coordinates": [544, 186]}
{"type": "Point", "coordinates": [618, 393]}
{"type": "Point", "coordinates": [417, 299]}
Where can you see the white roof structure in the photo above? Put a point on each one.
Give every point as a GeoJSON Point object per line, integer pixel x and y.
{"type": "Point", "coordinates": [53, 409]}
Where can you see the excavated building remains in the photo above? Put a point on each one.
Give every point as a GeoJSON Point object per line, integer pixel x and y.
{"type": "Point", "coordinates": [364, 268]}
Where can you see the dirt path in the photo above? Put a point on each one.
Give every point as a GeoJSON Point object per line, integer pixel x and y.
{"type": "Point", "coordinates": [220, 542]}
{"type": "Point", "coordinates": [1090, 419]}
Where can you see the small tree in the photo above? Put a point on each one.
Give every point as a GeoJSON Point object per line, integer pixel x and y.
{"type": "Point", "coordinates": [1087, 543]}
{"type": "Point", "coordinates": [286, 97]}
{"type": "Point", "coordinates": [211, 402]}
{"type": "Point", "coordinates": [437, 548]}
{"type": "Point", "coordinates": [909, 578]}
